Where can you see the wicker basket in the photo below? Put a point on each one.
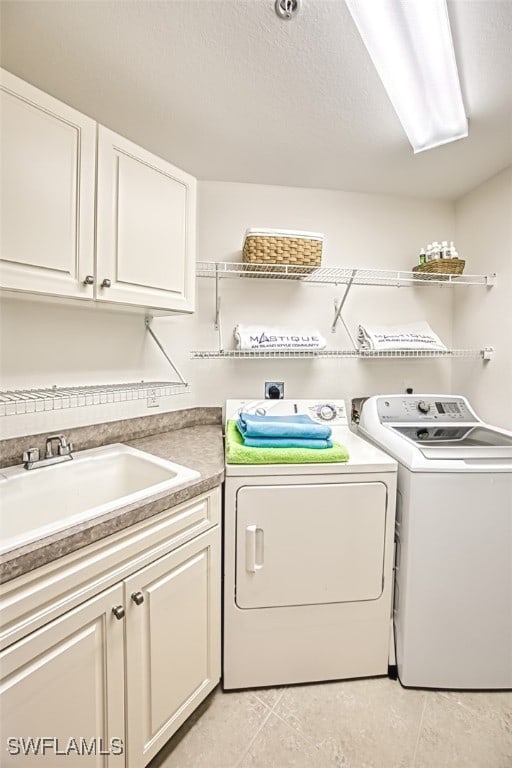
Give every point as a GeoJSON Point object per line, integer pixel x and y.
{"type": "Point", "coordinates": [439, 269]}
{"type": "Point", "coordinates": [272, 250]}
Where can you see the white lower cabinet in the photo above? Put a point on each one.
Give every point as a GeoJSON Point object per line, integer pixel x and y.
{"type": "Point", "coordinates": [108, 682]}
{"type": "Point", "coordinates": [62, 689]}
{"type": "Point", "coordinates": [172, 643]}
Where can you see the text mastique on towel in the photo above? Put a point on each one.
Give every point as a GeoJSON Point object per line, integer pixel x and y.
{"type": "Point", "coordinates": [272, 337]}
{"type": "Point", "coordinates": [418, 335]}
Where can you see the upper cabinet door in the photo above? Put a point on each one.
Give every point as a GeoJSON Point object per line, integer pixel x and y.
{"type": "Point", "coordinates": [47, 168]}
{"type": "Point", "coordinates": [146, 227]}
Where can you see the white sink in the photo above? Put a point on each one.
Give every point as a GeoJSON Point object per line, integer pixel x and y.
{"type": "Point", "coordinates": [37, 502]}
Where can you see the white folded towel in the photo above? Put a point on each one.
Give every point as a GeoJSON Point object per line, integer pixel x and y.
{"type": "Point", "coordinates": [417, 335]}
{"type": "Point", "coordinates": [267, 337]}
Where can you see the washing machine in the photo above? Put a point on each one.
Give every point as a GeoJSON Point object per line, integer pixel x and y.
{"type": "Point", "coordinates": [453, 593]}
{"type": "Point", "coordinates": [308, 558]}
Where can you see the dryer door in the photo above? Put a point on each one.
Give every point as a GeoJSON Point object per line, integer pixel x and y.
{"type": "Point", "coordinates": [310, 544]}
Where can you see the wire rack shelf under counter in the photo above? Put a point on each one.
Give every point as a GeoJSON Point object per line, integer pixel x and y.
{"type": "Point", "coordinates": [21, 401]}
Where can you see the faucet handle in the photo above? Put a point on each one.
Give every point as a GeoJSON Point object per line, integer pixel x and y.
{"type": "Point", "coordinates": [30, 455]}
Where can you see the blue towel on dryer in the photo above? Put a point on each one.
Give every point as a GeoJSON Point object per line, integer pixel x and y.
{"type": "Point", "coordinates": [298, 426]}
{"type": "Point", "coordinates": [286, 442]}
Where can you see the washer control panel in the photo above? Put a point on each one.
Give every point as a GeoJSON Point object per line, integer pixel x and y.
{"type": "Point", "coordinates": [410, 408]}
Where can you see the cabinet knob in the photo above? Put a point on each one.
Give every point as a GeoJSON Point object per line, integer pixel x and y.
{"type": "Point", "coordinates": [118, 611]}
{"type": "Point", "coordinates": [138, 598]}
{"type": "Point", "coordinates": [89, 280]}
{"type": "Point", "coordinates": [106, 283]}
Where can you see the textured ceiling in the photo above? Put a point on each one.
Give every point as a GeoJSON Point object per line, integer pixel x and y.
{"type": "Point", "coordinates": [227, 91]}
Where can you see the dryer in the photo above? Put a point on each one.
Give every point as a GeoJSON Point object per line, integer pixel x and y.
{"type": "Point", "coordinates": [308, 554]}
{"type": "Point", "coordinates": [453, 592]}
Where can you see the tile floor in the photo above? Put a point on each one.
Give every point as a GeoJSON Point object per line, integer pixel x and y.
{"type": "Point", "coordinates": [372, 723]}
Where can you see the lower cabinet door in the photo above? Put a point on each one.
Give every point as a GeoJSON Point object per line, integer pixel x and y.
{"type": "Point", "coordinates": [172, 642]}
{"type": "Point", "coordinates": [62, 690]}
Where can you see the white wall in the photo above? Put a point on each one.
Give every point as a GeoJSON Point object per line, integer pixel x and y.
{"type": "Point", "coordinates": [45, 344]}
{"type": "Point", "coordinates": [360, 230]}
{"type": "Point", "coordinates": [484, 237]}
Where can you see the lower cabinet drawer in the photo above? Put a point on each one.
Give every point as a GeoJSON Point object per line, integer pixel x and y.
{"type": "Point", "coordinates": [34, 599]}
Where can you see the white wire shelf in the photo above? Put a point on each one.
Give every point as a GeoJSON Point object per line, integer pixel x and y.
{"type": "Point", "coordinates": [20, 401]}
{"type": "Point", "coordinates": [240, 354]}
{"type": "Point", "coordinates": [336, 275]}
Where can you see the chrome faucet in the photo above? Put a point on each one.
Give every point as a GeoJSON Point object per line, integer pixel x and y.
{"type": "Point", "coordinates": [31, 457]}
{"type": "Point", "coordinates": [63, 447]}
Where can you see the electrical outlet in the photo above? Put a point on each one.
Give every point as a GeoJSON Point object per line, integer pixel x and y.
{"type": "Point", "coordinates": [274, 390]}
{"type": "Point", "coordinates": [152, 400]}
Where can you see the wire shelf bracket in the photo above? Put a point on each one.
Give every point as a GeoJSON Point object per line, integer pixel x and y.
{"type": "Point", "coordinates": [147, 320]}
{"type": "Point", "coordinates": [338, 307]}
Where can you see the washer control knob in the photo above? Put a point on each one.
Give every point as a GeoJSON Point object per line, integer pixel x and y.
{"type": "Point", "coordinates": [326, 412]}
{"type": "Point", "coordinates": [423, 406]}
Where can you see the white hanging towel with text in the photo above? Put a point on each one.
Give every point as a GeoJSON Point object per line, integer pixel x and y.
{"type": "Point", "coordinates": [418, 335]}
{"type": "Point", "coordinates": [271, 337]}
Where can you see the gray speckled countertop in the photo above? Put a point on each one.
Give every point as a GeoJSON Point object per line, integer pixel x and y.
{"type": "Point", "coordinates": [199, 447]}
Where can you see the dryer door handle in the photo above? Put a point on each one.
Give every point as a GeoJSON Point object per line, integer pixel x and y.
{"type": "Point", "coordinates": [254, 544]}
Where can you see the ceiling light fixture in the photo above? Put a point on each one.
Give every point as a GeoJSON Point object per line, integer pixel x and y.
{"type": "Point", "coordinates": [410, 44]}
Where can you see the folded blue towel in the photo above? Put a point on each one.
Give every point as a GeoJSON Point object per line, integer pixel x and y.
{"type": "Point", "coordinates": [286, 442]}
{"type": "Point", "coordinates": [296, 426]}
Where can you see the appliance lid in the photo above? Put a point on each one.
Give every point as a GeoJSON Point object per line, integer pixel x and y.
{"type": "Point", "coordinates": [456, 436]}
{"type": "Point", "coordinates": [458, 442]}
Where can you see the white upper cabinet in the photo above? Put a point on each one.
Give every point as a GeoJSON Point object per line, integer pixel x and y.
{"type": "Point", "coordinates": [47, 169]}
{"type": "Point", "coordinates": [143, 208]}
{"type": "Point", "coordinates": [146, 225]}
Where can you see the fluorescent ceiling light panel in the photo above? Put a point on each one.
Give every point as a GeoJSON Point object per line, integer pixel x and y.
{"type": "Point", "coordinates": [410, 44]}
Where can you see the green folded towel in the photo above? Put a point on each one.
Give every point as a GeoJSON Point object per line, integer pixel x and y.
{"type": "Point", "coordinates": [238, 453]}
